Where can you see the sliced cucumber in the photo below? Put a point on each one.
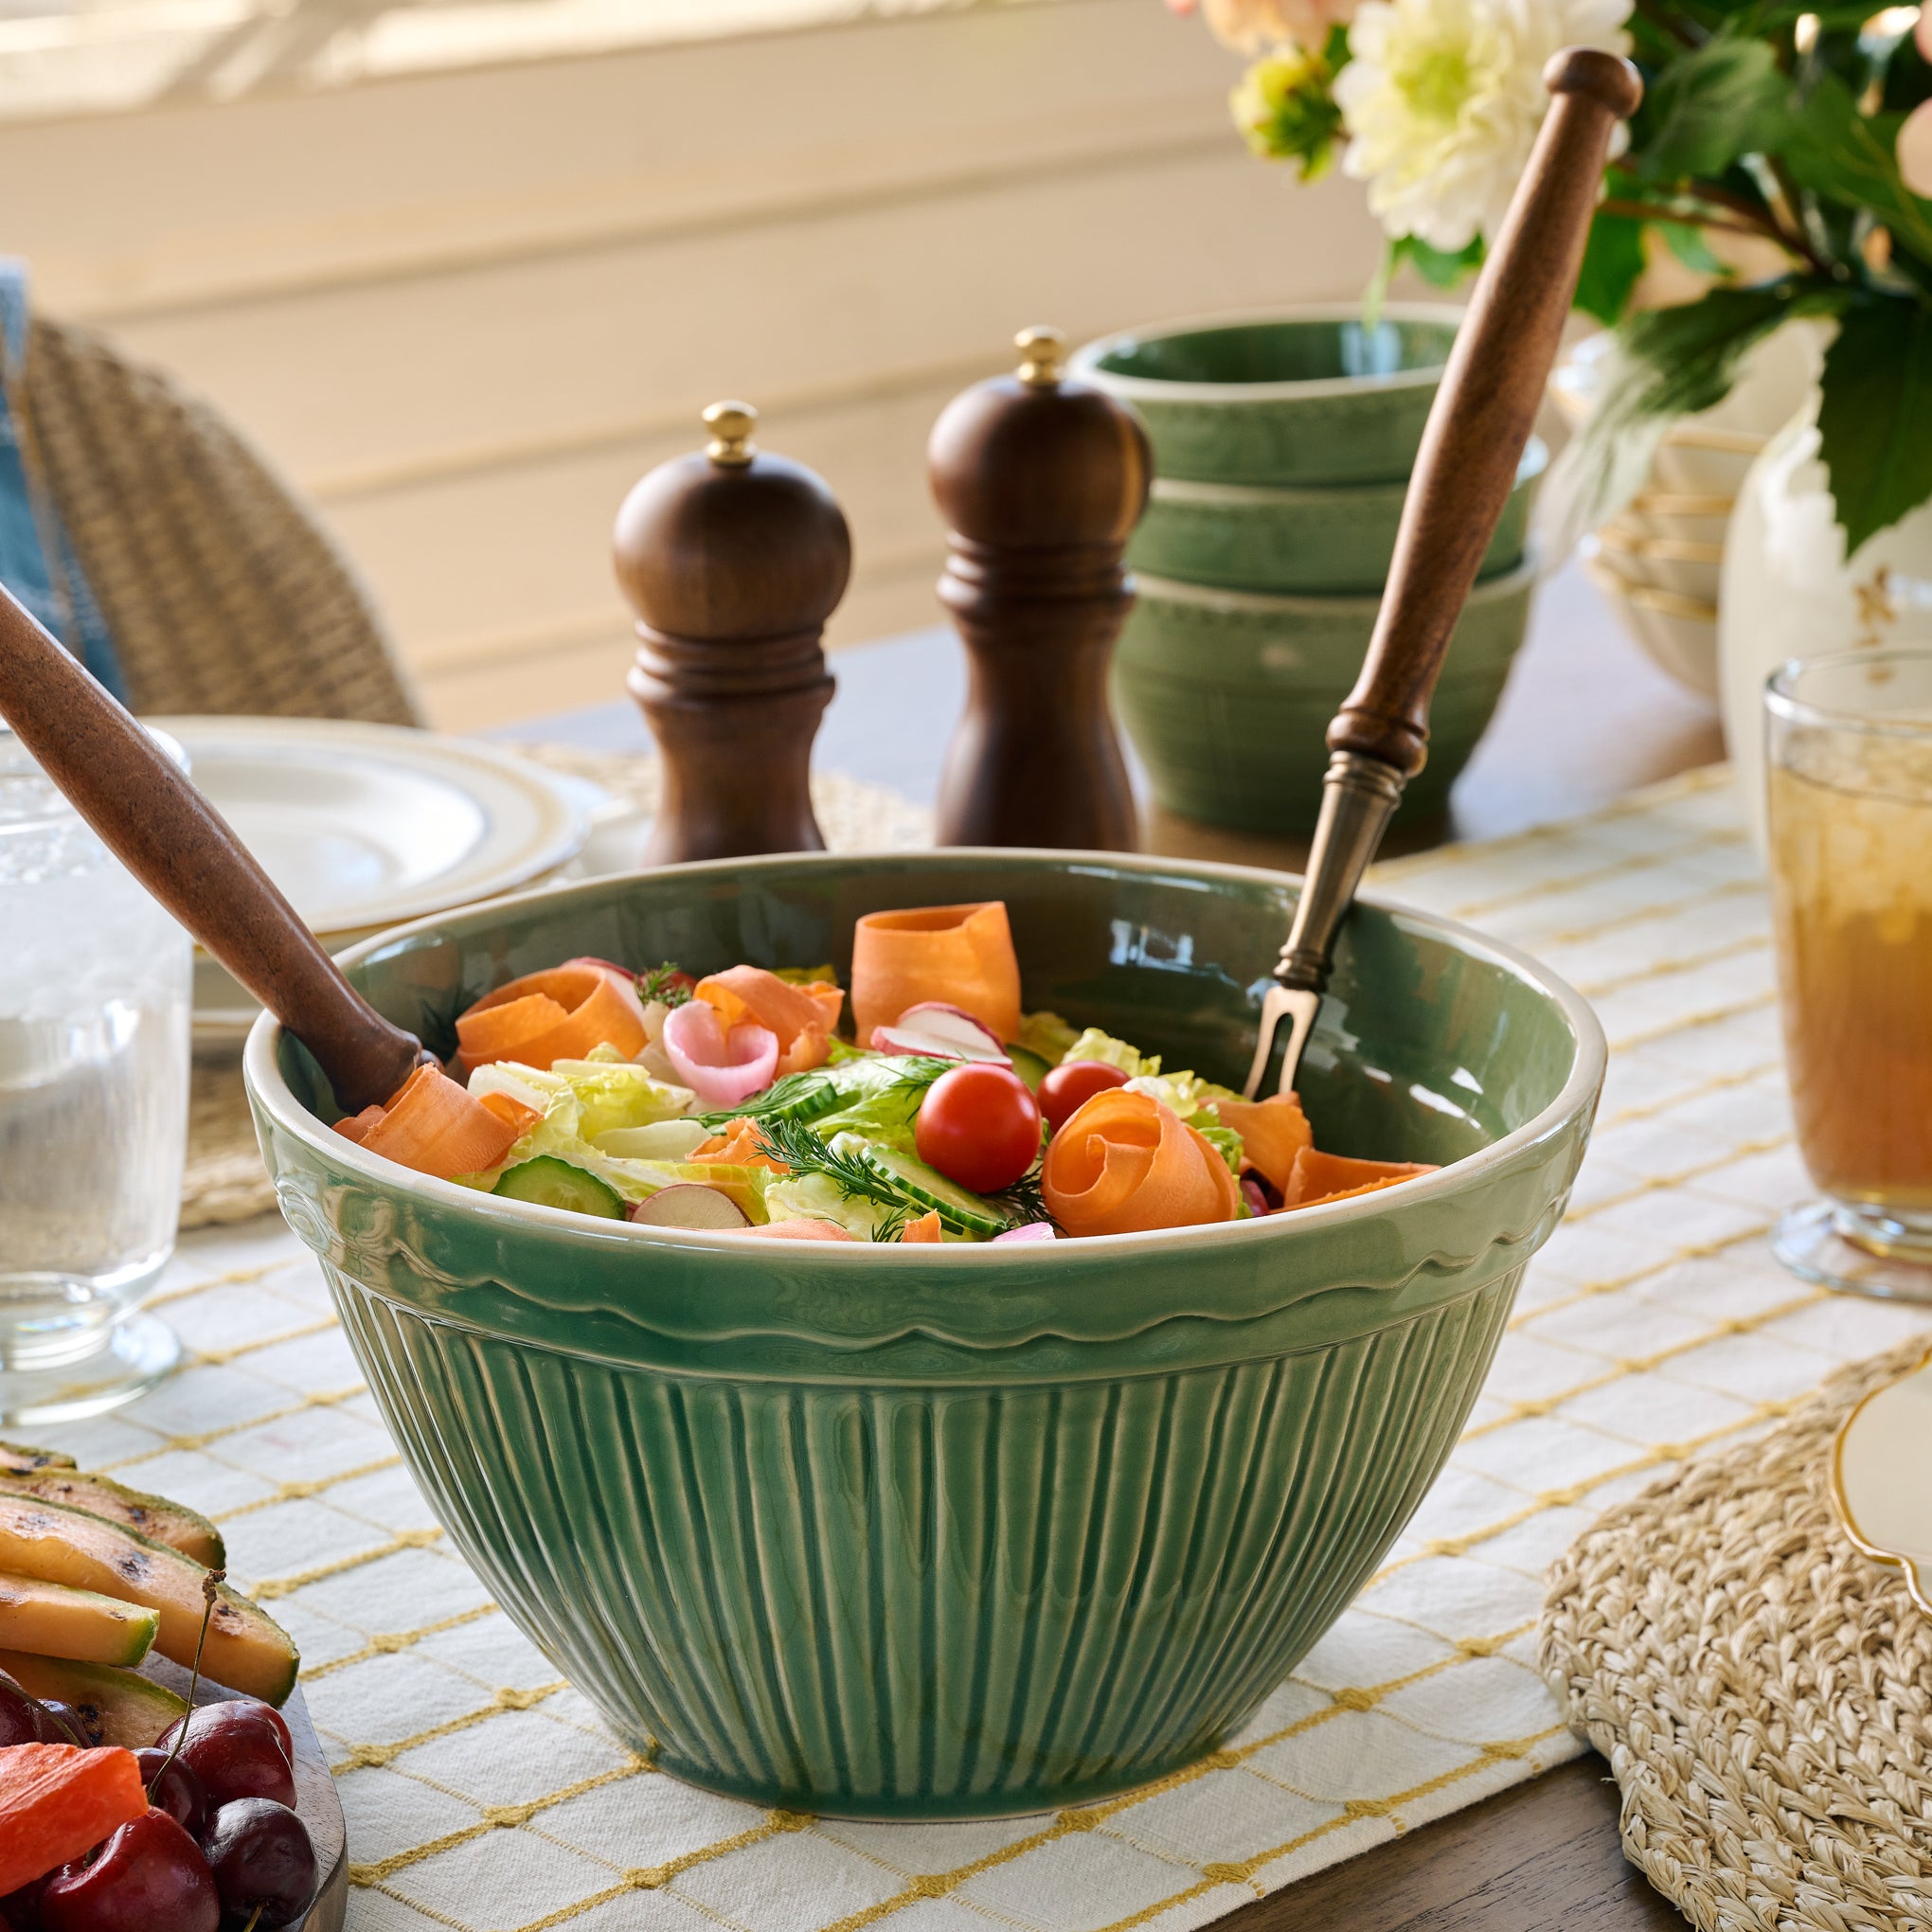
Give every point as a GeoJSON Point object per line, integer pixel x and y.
{"type": "Point", "coordinates": [553, 1182]}
{"type": "Point", "coordinates": [924, 1187]}
{"type": "Point", "coordinates": [1029, 1066]}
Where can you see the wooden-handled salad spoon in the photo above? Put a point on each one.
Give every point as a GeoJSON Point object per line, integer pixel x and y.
{"type": "Point", "coordinates": [1482, 418]}
{"type": "Point", "coordinates": [148, 813]}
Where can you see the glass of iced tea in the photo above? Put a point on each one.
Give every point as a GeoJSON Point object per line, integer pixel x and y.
{"type": "Point", "coordinates": [1850, 772]}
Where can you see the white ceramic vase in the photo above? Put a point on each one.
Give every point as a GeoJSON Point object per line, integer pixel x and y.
{"type": "Point", "coordinates": [1789, 591]}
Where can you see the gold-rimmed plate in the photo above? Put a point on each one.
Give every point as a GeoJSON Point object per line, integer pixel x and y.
{"type": "Point", "coordinates": [1881, 1477]}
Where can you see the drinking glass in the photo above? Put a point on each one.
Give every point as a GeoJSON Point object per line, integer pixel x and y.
{"type": "Point", "coordinates": [94, 1077]}
{"type": "Point", "coordinates": [1849, 793]}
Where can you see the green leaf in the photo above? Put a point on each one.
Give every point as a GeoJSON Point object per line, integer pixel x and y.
{"type": "Point", "coordinates": [1875, 423]}
{"type": "Point", "coordinates": [1851, 157]}
{"type": "Point", "coordinates": [1613, 261]}
{"type": "Point", "coordinates": [1676, 361]}
{"type": "Point", "coordinates": [1437, 268]}
{"type": "Point", "coordinates": [1723, 100]}
{"type": "Point", "coordinates": [1688, 244]}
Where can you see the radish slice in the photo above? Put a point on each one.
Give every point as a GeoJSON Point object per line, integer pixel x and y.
{"type": "Point", "coordinates": [1031, 1230]}
{"type": "Point", "coordinates": [976, 1040]}
{"type": "Point", "coordinates": [689, 1204]}
{"type": "Point", "coordinates": [720, 1067]}
{"type": "Point", "coordinates": [941, 1033]}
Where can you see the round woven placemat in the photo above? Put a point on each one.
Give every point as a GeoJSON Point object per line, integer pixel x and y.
{"type": "Point", "coordinates": [1763, 1691]}
{"type": "Point", "coordinates": [224, 1181]}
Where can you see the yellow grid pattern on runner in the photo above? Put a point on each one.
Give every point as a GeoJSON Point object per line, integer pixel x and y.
{"type": "Point", "coordinates": [482, 1793]}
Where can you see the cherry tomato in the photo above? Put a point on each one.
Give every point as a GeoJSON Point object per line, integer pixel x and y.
{"type": "Point", "coordinates": [1068, 1086]}
{"type": "Point", "coordinates": [979, 1126]}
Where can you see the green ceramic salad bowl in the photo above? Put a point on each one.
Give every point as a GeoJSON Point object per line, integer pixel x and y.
{"type": "Point", "coordinates": [953, 1530]}
{"type": "Point", "coordinates": [1334, 539]}
{"type": "Point", "coordinates": [1227, 693]}
{"type": "Point", "coordinates": [1295, 396]}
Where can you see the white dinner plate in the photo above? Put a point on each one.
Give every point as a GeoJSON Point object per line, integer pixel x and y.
{"type": "Point", "coordinates": [1882, 1478]}
{"type": "Point", "coordinates": [366, 826]}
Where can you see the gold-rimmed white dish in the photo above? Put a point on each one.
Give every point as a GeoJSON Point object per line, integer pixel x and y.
{"type": "Point", "coordinates": [364, 825]}
{"type": "Point", "coordinates": [1881, 1482]}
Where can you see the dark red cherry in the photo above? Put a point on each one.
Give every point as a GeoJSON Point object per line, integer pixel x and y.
{"type": "Point", "coordinates": [22, 1721]}
{"type": "Point", "coordinates": [150, 1876]}
{"type": "Point", "coordinates": [260, 1856]}
{"type": "Point", "coordinates": [177, 1790]}
{"type": "Point", "coordinates": [22, 1907]}
{"type": "Point", "coordinates": [61, 1725]}
{"type": "Point", "coordinates": [235, 1750]}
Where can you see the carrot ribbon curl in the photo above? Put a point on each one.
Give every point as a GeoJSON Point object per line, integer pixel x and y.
{"type": "Point", "coordinates": [560, 1014]}
{"type": "Point", "coordinates": [1124, 1164]}
{"type": "Point", "coordinates": [959, 956]}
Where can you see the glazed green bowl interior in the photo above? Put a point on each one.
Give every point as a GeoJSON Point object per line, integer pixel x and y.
{"type": "Point", "coordinates": [953, 1530]}
{"type": "Point", "coordinates": [1317, 348]}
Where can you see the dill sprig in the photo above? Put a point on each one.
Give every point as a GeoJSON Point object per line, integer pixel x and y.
{"type": "Point", "coordinates": [661, 983]}
{"type": "Point", "coordinates": [779, 1098]}
{"type": "Point", "coordinates": [1023, 1202]}
{"type": "Point", "coordinates": [794, 1142]}
{"type": "Point", "coordinates": [437, 1028]}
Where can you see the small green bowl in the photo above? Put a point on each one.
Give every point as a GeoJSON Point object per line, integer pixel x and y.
{"type": "Point", "coordinates": [1227, 693]}
{"type": "Point", "coordinates": [965, 1531]}
{"type": "Point", "coordinates": [1334, 539]}
{"type": "Point", "coordinates": [1295, 396]}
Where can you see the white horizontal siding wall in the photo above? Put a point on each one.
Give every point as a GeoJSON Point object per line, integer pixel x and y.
{"type": "Point", "coordinates": [466, 312]}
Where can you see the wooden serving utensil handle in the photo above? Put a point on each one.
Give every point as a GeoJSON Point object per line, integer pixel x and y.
{"type": "Point", "coordinates": [174, 841]}
{"type": "Point", "coordinates": [1485, 410]}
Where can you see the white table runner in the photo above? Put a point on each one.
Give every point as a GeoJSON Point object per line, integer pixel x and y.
{"type": "Point", "coordinates": [483, 1794]}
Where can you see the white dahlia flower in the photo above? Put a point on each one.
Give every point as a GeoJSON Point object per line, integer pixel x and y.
{"type": "Point", "coordinates": [1443, 99]}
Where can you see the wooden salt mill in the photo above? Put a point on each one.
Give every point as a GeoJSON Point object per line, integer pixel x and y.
{"type": "Point", "coordinates": [1040, 481]}
{"type": "Point", "coordinates": [733, 559]}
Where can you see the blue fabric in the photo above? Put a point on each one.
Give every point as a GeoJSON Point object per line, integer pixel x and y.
{"type": "Point", "coordinates": [36, 562]}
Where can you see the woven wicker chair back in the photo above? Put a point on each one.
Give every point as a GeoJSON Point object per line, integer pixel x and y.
{"type": "Point", "coordinates": [221, 591]}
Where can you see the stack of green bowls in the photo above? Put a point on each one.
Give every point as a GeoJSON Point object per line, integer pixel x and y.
{"type": "Point", "coordinates": [1282, 449]}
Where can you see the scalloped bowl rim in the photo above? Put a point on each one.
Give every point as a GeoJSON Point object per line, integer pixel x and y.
{"type": "Point", "coordinates": [1084, 362]}
{"type": "Point", "coordinates": [263, 1078]}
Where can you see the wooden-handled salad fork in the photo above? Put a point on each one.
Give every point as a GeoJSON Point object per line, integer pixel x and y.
{"type": "Point", "coordinates": [1482, 418]}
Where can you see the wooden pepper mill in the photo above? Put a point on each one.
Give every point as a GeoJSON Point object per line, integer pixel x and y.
{"type": "Point", "coordinates": [733, 559]}
{"type": "Point", "coordinates": [1040, 481]}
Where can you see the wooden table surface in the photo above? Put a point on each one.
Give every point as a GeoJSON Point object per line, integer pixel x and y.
{"type": "Point", "coordinates": [1586, 718]}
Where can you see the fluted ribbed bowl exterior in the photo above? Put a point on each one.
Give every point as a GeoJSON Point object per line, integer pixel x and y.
{"type": "Point", "coordinates": [962, 1531]}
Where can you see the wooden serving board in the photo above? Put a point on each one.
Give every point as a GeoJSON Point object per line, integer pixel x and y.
{"type": "Point", "coordinates": [315, 1799]}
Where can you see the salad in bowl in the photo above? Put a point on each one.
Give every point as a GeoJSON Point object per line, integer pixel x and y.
{"type": "Point", "coordinates": [920, 1104]}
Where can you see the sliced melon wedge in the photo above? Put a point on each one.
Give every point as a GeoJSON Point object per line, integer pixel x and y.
{"type": "Point", "coordinates": [154, 1517]}
{"type": "Point", "coordinates": [246, 1648]}
{"type": "Point", "coordinates": [114, 1707]}
{"type": "Point", "coordinates": [23, 1458]}
{"type": "Point", "coordinates": [54, 1621]}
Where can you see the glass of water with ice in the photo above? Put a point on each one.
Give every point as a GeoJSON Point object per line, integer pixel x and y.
{"type": "Point", "coordinates": [94, 1071]}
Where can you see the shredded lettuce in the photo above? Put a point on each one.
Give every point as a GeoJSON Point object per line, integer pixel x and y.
{"type": "Point", "coordinates": [617, 1093]}
{"type": "Point", "coordinates": [883, 1092]}
{"type": "Point", "coordinates": [1045, 1034]}
{"type": "Point", "coordinates": [660, 1140]}
{"type": "Point", "coordinates": [818, 1197]}
{"type": "Point", "coordinates": [1224, 1140]}
{"type": "Point", "coordinates": [1095, 1045]}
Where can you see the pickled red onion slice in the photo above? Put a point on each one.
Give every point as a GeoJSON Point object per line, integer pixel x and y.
{"type": "Point", "coordinates": [720, 1066]}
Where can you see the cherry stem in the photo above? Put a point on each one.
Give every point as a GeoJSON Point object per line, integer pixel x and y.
{"type": "Point", "coordinates": [211, 1590]}
{"type": "Point", "coordinates": [255, 1917]}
